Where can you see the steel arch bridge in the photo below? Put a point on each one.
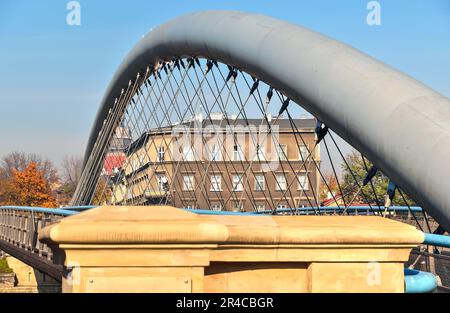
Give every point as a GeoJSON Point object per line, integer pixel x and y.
{"type": "Point", "coordinates": [257, 99]}
{"type": "Point", "coordinates": [392, 119]}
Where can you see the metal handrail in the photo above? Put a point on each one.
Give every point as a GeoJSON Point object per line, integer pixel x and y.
{"type": "Point", "coordinates": [328, 209]}
{"type": "Point", "coordinates": [62, 212]}
{"type": "Point", "coordinates": [437, 240]}
{"type": "Point", "coordinates": [332, 209]}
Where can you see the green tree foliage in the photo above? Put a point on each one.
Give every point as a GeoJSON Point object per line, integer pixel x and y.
{"type": "Point", "coordinates": [367, 195]}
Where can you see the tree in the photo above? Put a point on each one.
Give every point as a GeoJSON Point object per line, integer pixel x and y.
{"type": "Point", "coordinates": [72, 167]}
{"type": "Point", "coordinates": [103, 192]}
{"type": "Point", "coordinates": [31, 188]}
{"type": "Point", "coordinates": [324, 191]}
{"type": "Point", "coordinates": [366, 195]}
{"type": "Point", "coordinates": [6, 190]}
{"type": "Point", "coordinates": [19, 161]}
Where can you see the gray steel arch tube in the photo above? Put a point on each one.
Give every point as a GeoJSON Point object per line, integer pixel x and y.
{"type": "Point", "coordinates": [402, 125]}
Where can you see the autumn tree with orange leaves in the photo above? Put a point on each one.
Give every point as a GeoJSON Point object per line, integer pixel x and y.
{"type": "Point", "coordinates": [331, 187]}
{"type": "Point", "coordinates": [30, 188]}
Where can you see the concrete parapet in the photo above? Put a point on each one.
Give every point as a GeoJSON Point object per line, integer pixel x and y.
{"type": "Point", "coordinates": [164, 249]}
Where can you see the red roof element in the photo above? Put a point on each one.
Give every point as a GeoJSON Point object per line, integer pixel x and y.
{"type": "Point", "coordinates": [331, 200]}
{"type": "Point", "coordinates": [338, 197]}
{"type": "Point", "coordinates": [113, 161]}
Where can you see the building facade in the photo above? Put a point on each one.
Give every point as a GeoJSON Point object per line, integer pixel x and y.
{"type": "Point", "coordinates": [218, 164]}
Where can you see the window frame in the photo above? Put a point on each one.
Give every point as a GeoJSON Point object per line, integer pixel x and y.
{"type": "Point", "coordinates": [282, 157]}
{"type": "Point", "coordinates": [306, 182]}
{"type": "Point", "coordinates": [239, 183]}
{"type": "Point", "coordinates": [300, 154]}
{"type": "Point", "coordinates": [236, 206]}
{"type": "Point", "coordinates": [260, 205]}
{"type": "Point", "coordinates": [192, 182]}
{"type": "Point", "coordinates": [237, 151]}
{"type": "Point", "coordinates": [258, 185]}
{"type": "Point", "coordinates": [188, 154]}
{"type": "Point", "coordinates": [158, 154]}
{"type": "Point", "coordinates": [278, 185]}
{"type": "Point", "coordinates": [215, 153]}
{"type": "Point", "coordinates": [159, 178]}
{"type": "Point", "coordinates": [217, 182]}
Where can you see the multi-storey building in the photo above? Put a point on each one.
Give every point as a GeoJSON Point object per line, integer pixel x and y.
{"type": "Point", "coordinates": [223, 164]}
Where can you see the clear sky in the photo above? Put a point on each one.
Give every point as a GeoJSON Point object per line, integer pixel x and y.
{"type": "Point", "coordinates": [53, 76]}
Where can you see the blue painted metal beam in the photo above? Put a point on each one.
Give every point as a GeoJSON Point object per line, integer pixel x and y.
{"type": "Point", "coordinates": [414, 209]}
{"type": "Point", "coordinates": [419, 282]}
{"type": "Point", "coordinates": [61, 212]}
{"type": "Point", "coordinates": [79, 208]}
{"type": "Point", "coordinates": [210, 212]}
{"type": "Point", "coordinates": [437, 240]}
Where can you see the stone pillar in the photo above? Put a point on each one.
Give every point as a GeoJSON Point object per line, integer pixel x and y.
{"type": "Point", "coordinates": [164, 249]}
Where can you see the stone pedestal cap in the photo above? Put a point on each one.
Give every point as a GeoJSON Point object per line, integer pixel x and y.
{"type": "Point", "coordinates": [169, 225]}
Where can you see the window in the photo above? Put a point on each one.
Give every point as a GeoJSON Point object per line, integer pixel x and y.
{"type": "Point", "coordinates": [302, 182]}
{"type": "Point", "coordinates": [238, 183]}
{"type": "Point", "coordinates": [260, 207]}
{"type": "Point", "coordinates": [134, 164]}
{"type": "Point", "coordinates": [188, 182]}
{"type": "Point", "coordinates": [216, 183]}
{"type": "Point", "coordinates": [303, 153]}
{"type": "Point", "coordinates": [216, 153]}
{"type": "Point", "coordinates": [281, 182]}
{"type": "Point", "coordinates": [281, 207]}
{"type": "Point", "coordinates": [161, 151]}
{"type": "Point", "coordinates": [189, 207]}
{"type": "Point", "coordinates": [188, 153]}
{"type": "Point", "coordinates": [259, 155]}
{"type": "Point", "coordinates": [260, 183]}
{"type": "Point", "coordinates": [162, 182]}
{"type": "Point", "coordinates": [216, 207]}
{"type": "Point", "coordinates": [282, 152]}
{"type": "Point", "coordinates": [238, 154]}
{"type": "Point", "coordinates": [238, 206]}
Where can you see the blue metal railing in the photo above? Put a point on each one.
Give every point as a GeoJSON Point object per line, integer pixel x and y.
{"type": "Point", "coordinates": [210, 212]}
{"type": "Point", "coordinates": [70, 210]}
{"type": "Point", "coordinates": [62, 212]}
{"type": "Point", "coordinates": [332, 209]}
{"type": "Point", "coordinates": [312, 210]}
{"type": "Point", "coordinates": [437, 240]}
{"type": "Point", "coordinates": [79, 208]}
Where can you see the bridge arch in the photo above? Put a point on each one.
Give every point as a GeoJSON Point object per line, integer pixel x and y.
{"type": "Point", "coordinates": [401, 125]}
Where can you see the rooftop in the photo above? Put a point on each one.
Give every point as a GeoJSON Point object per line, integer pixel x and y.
{"type": "Point", "coordinates": [283, 124]}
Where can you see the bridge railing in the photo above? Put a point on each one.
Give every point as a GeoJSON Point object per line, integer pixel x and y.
{"type": "Point", "coordinates": [19, 228]}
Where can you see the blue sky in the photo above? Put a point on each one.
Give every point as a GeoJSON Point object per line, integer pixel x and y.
{"type": "Point", "coordinates": [52, 76]}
